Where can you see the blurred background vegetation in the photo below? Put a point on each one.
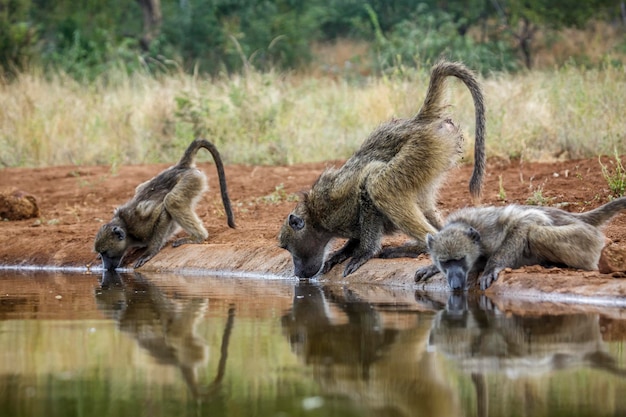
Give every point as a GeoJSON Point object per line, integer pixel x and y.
{"type": "Point", "coordinates": [86, 38]}
{"type": "Point", "coordinates": [284, 81]}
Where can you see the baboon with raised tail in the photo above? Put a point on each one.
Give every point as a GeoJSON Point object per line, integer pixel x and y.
{"type": "Point", "coordinates": [490, 239]}
{"type": "Point", "coordinates": [159, 208]}
{"type": "Point", "coordinates": [390, 184]}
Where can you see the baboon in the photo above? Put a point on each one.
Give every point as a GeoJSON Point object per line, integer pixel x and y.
{"type": "Point", "coordinates": [390, 184]}
{"type": "Point", "coordinates": [159, 208]}
{"type": "Point", "coordinates": [494, 238]}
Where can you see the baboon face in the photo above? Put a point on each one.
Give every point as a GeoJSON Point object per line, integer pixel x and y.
{"type": "Point", "coordinates": [111, 244]}
{"type": "Point", "coordinates": [454, 250]}
{"type": "Point", "coordinates": [304, 241]}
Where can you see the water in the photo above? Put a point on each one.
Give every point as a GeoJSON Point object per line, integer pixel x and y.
{"type": "Point", "coordinates": [174, 345]}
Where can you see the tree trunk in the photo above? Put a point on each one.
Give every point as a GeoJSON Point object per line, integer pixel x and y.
{"type": "Point", "coordinates": [151, 22]}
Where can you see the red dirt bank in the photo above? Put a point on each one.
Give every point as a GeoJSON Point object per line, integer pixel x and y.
{"type": "Point", "coordinates": [75, 201]}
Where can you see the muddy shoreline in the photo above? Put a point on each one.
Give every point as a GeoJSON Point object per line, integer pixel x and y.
{"type": "Point", "coordinates": [75, 201]}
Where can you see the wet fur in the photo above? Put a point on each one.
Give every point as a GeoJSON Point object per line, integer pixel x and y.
{"type": "Point", "coordinates": [390, 184]}
{"type": "Point", "coordinates": [490, 239]}
{"type": "Point", "coordinates": [159, 208]}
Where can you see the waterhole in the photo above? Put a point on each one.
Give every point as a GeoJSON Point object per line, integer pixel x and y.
{"type": "Point", "coordinates": [153, 344]}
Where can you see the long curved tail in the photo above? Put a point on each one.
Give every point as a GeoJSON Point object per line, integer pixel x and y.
{"type": "Point", "coordinates": [188, 160]}
{"type": "Point", "coordinates": [604, 213]}
{"type": "Point", "coordinates": [434, 108]}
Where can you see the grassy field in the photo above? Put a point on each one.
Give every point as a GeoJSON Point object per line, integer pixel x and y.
{"type": "Point", "coordinates": [283, 118]}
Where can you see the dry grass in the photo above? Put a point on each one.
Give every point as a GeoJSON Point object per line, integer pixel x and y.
{"type": "Point", "coordinates": [271, 118]}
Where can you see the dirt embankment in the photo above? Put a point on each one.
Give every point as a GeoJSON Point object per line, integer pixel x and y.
{"type": "Point", "coordinates": [74, 202]}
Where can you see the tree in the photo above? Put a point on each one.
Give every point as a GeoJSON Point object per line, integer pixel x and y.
{"type": "Point", "coordinates": [152, 18]}
{"type": "Point", "coordinates": [523, 19]}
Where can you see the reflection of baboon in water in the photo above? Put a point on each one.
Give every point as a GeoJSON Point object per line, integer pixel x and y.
{"type": "Point", "coordinates": [165, 328]}
{"type": "Point", "coordinates": [390, 184]}
{"type": "Point", "coordinates": [159, 208]}
{"type": "Point", "coordinates": [480, 339]}
{"type": "Point", "coordinates": [494, 238]}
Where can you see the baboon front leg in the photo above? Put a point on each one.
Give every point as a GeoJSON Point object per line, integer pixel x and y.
{"type": "Point", "coordinates": [340, 255]}
{"type": "Point", "coordinates": [163, 229]}
{"type": "Point", "coordinates": [371, 225]}
{"type": "Point", "coordinates": [511, 254]}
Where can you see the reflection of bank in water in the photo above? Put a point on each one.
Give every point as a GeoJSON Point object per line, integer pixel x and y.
{"type": "Point", "coordinates": [164, 327]}
{"type": "Point", "coordinates": [480, 340]}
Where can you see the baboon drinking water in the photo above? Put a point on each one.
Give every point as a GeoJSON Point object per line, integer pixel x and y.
{"type": "Point", "coordinates": [389, 184]}
{"type": "Point", "coordinates": [159, 208]}
{"type": "Point", "coordinates": [494, 238]}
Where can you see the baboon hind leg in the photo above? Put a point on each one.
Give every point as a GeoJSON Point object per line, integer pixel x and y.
{"type": "Point", "coordinates": [180, 203]}
{"type": "Point", "coordinates": [577, 245]}
{"type": "Point", "coordinates": [418, 246]}
{"type": "Point", "coordinates": [408, 250]}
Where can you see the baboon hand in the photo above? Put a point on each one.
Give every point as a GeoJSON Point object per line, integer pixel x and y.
{"type": "Point", "coordinates": [489, 277]}
{"type": "Point", "coordinates": [356, 262]}
{"type": "Point", "coordinates": [425, 272]}
{"type": "Point", "coordinates": [335, 259]}
{"type": "Point", "coordinates": [142, 260]}
{"type": "Point", "coordinates": [328, 265]}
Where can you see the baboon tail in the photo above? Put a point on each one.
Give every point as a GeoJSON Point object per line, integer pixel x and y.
{"type": "Point", "coordinates": [188, 160]}
{"type": "Point", "coordinates": [604, 213]}
{"type": "Point", "coordinates": [433, 109]}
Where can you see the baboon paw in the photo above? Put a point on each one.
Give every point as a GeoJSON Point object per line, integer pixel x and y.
{"type": "Point", "coordinates": [141, 261]}
{"type": "Point", "coordinates": [488, 278]}
{"type": "Point", "coordinates": [353, 265]}
{"type": "Point", "coordinates": [327, 267]}
{"type": "Point", "coordinates": [422, 274]}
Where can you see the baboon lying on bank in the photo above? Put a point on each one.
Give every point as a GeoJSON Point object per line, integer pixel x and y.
{"type": "Point", "coordinates": [389, 184]}
{"type": "Point", "coordinates": [494, 238]}
{"type": "Point", "coordinates": [159, 208]}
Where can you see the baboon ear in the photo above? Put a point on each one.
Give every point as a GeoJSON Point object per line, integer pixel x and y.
{"type": "Point", "coordinates": [473, 234]}
{"type": "Point", "coordinates": [296, 222]}
{"type": "Point", "coordinates": [429, 240]}
{"type": "Point", "coordinates": [119, 232]}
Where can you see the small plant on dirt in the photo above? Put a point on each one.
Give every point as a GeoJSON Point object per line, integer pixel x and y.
{"type": "Point", "coordinates": [501, 192]}
{"type": "Point", "coordinates": [538, 199]}
{"type": "Point", "coordinates": [278, 195]}
{"type": "Point", "coordinates": [615, 177]}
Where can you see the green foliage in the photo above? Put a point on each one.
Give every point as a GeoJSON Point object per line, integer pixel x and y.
{"type": "Point", "coordinates": [501, 190]}
{"type": "Point", "coordinates": [615, 177]}
{"type": "Point", "coordinates": [87, 39]}
{"type": "Point", "coordinates": [279, 195]}
{"type": "Point", "coordinates": [538, 199]}
{"type": "Point", "coordinates": [18, 36]}
{"type": "Point", "coordinates": [215, 36]}
{"type": "Point", "coordinates": [428, 36]}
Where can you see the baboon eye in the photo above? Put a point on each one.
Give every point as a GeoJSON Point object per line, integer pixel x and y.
{"type": "Point", "coordinates": [296, 223]}
{"type": "Point", "coordinates": [119, 232]}
{"type": "Point", "coordinates": [451, 262]}
{"type": "Point", "coordinates": [473, 234]}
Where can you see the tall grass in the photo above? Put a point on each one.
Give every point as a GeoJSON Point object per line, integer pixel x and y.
{"type": "Point", "coordinates": [277, 118]}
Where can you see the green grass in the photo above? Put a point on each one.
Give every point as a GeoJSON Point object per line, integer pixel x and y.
{"type": "Point", "coordinates": [615, 176]}
{"type": "Point", "coordinates": [278, 118]}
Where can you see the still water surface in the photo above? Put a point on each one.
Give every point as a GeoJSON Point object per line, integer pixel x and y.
{"type": "Point", "coordinates": [174, 345]}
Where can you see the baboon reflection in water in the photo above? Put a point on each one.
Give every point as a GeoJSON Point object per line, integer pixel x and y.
{"type": "Point", "coordinates": [165, 328]}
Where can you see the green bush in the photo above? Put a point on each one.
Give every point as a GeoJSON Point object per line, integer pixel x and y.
{"type": "Point", "coordinates": [18, 36]}
{"type": "Point", "coordinates": [429, 36]}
